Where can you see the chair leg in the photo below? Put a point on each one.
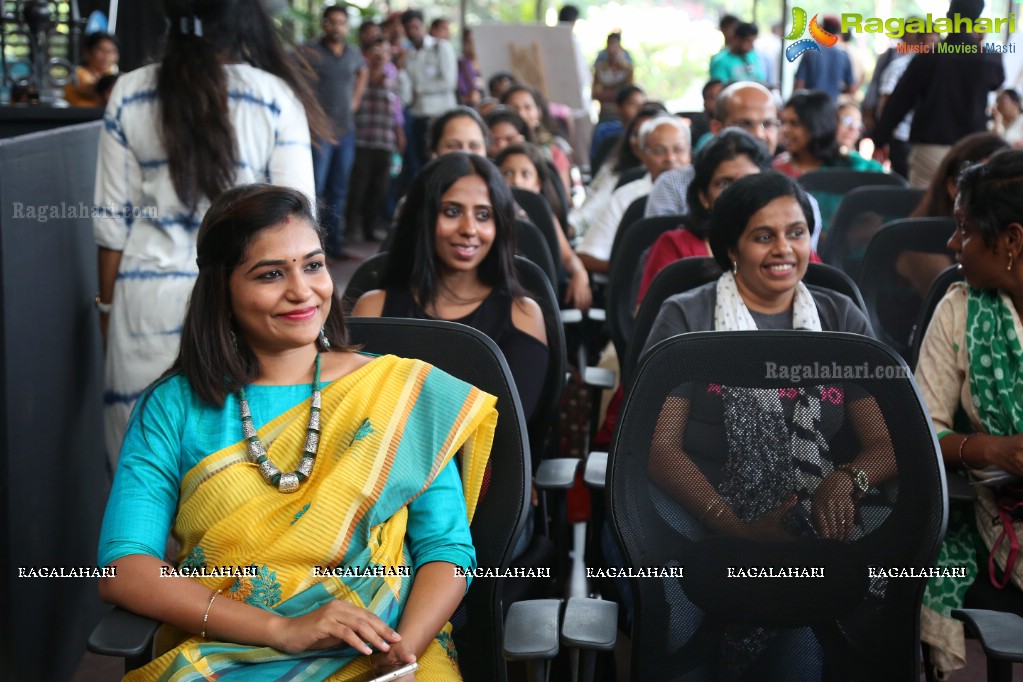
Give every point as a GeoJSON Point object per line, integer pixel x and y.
{"type": "Point", "coordinates": [537, 671]}
{"type": "Point", "coordinates": [999, 670]}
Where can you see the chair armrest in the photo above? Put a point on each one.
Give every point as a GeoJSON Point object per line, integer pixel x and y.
{"type": "Point", "coordinates": [598, 377]}
{"type": "Point", "coordinates": [557, 473]}
{"type": "Point", "coordinates": [599, 278]}
{"type": "Point", "coordinates": [571, 316]}
{"type": "Point", "coordinates": [590, 624]}
{"type": "Point", "coordinates": [122, 633]}
{"type": "Point", "coordinates": [597, 314]}
{"type": "Point", "coordinates": [959, 488]}
{"type": "Point", "coordinates": [596, 470]}
{"type": "Point", "coordinates": [1000, 632]}
{"type": "Point", "coordinates": [531, 630]}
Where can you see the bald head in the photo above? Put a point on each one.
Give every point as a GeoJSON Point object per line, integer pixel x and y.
{"type": "Point", "coordinates": [749, 106]}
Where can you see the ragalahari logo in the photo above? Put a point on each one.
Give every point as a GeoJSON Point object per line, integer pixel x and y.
{"type": "Point", "coordinates": [819, 36]}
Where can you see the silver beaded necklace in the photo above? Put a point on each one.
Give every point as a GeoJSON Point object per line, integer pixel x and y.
{"type": "Point", "coordinates": [289, 482]}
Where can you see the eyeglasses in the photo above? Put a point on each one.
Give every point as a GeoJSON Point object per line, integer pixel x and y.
{"type": "Point", "coordinates": [661, 150]}
{"type": "Point", "coordinates": [851, 122]}
{"type": "Point", "coordinates": [753, 126]}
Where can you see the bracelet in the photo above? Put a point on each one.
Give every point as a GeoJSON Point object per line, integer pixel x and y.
{"type": "Point", "coordinates": [962, 444]}
{"type": "Point", "coordinates": [710, 505]}
{"type": "Point", "coordinates": [103, 307]}
{"type": "Point", "coordinates": [206, 616]}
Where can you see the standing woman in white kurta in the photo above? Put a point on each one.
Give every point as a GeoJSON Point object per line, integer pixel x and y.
{"type": "Point", "coordinates": [225, 106]}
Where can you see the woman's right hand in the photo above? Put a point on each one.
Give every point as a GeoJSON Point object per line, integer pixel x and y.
{"type": "Point", "coordinates": [331, 625]}
{"type": "Point", "coordinates": [578, 293]}
{"type": "Point", "coordinates": [1007, 454]}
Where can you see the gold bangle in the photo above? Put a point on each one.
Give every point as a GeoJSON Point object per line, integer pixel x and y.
{"type": "Point", "coordinates": [962, 444]}
{"type": "Point", "coordinates": [710, 505]}
{"type": "Point", "coordinates": [206, 616]}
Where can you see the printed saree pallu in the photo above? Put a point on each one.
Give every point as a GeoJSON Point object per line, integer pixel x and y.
{"type": "Point", "coordinates": [383, 442]}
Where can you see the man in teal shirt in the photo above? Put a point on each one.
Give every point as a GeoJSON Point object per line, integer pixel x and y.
{"type": "Point", "coordinates": [738, 62]}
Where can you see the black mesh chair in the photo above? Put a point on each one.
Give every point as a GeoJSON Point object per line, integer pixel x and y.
{"type": "Point", "coordinates": [540, 214]}
{"type": "Point", "coordinates": [938, 289]}
{"type": "Point", "coordinates": [365, 278]}
{"type": "Point", "coordinates": [630, 175]}
{"type": "Point", "coordinates": [627, 269]}
{"type": "Point", "coordinates": [719, 618]}
{"type": "Point", "coordinates": [689, 273]}
{"type": "Point", "coordinates": [531, 244]}
{"type": "Point", "coordinates": [860, 215]}
{"type": "Point", "coordinates": [838, 181]}
{"type": "Point", "coordinates": [500, 515]}
{"type": "Point", "coordinates": [893, 303]}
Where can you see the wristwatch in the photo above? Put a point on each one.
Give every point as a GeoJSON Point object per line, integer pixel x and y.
{"type": "Point", "coordinates": [861, 484]}
{"type": "Point", "coordinates": [103, 307]}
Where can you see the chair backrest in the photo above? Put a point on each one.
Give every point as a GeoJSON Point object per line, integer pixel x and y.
{"type": "Point", "coordinates": [472, 357]}
{"type": "Point", "coordinates": [825, 603]}
{"type": "Point", "coordinates": [939, 287]}
{"type": "Point", "coordinates": [689, 273]}
{"type": "Point", "coordinates": [829, 186]}
{"type": "Point", "coordinates": [531, 244]}
{"type": "Point", "coordinates": [633, 214]}
{"type": "Point", "coordinates": [627, 253]}
{"type": "Point", "coordinates": [630, 175]}
{"type": "Point", "coordinates": [860, 215]}
{"type": "Point", "coordinates": [893, 304]}
{"type": "Point", "coordinates": [365, 278]}
{"type": "Point", "coordinates": [839, 181]}
{"type": "Point", "coordinates": [542, 426]}
{"type": "Point", "coordinates": [540, 214]}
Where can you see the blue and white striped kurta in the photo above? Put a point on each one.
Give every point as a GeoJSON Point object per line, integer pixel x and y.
{"type": "Point", "coordinates": [145, 220]}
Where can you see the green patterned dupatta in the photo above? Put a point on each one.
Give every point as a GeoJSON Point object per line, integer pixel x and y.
{"type": "Point", "coordinates": [996, 362]}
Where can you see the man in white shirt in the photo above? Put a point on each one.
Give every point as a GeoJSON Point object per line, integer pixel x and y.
{"type": "Point", "coordinates": [428, 83]}
{"type": "Point", "coordinates": [664, 145]}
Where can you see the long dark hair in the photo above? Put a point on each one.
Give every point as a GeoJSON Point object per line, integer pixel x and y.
{"type": "Point", "coordinates": [191, 86]}
{"type": "Point", "coordinates": [624, 157]}
{"type": "Point", "coordinates": [729, 144]}
{"type": "Point", "coordinates": [214, 358]}
{"type": "Point", "coordinates": [817, 113]}
{"type": "Point", "coordinates": [438, 125]}
{"type": "Point", "coordinates": [936, 203]}
{"type": "Point", "coordinates": [546, 122]}
{"type": "Point", "coordinates": [413, 265]}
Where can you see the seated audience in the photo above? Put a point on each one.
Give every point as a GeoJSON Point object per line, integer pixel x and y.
{"type": "Point", "coordinates": [101, 57]}
{"type": "Point", "coordinates": [969, 375]}
{"type": "Point", "coordinates": [1008, 121]}
{"type": "Point", "coordinates": [499, 83]}
{"type": "Point", "coordinates": [524, 167]}
{"type": "Point", "coordinates": [626, 156]}
{"type": "Point", "coordinates": [850, 128]}
{"type": "Point", "coordinates": [628, 101]}
{"type": "Point", "coordinates": [206, 452]}
{"type": "Point", "coordinates": [506, 128]}
{"type": "Point", "coordinates": [452, 259]}
{"type": "Point", "coordinates": [733, 154]}
{"type": "Point", "coordinates": [458, 130]}
{"type": "Point", "coordinates": [532, 107]}
{"type": "Point", "coordinates": [700, 123]}
{"type": "Point", "coordinates": [760, 236]}
{"type": "Point", "coordinates": [664, 141]}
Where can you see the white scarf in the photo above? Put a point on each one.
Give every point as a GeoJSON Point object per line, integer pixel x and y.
{"type": "Point", "coordinates": [731, 313]}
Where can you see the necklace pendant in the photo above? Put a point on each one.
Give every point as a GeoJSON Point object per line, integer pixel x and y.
{"type": "Point", "coordinates": [289, 483]}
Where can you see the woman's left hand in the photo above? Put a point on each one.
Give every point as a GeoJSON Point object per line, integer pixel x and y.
{"type": "Point", "coordinates": [834, 512]}
{"type": "Point", "coordinates": [387, 661]}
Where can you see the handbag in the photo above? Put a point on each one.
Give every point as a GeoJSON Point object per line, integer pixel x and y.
{"type": "Point", "coordinates": [1009, 510]}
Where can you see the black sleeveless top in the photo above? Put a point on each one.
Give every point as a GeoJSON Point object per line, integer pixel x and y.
{"type": "Point", "coordinates": [527, 356]}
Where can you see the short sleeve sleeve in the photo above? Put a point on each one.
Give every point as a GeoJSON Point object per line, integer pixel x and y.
{"type": "Point", "coordinates": [937, 372]}
{"type": "Point", "coordinates": [144, 497]}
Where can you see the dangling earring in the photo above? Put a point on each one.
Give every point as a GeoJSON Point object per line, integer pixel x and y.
{"type": "Point", "coordinates": [1009, 269]}
{"type": "Point", "coordinates": [735, 267]}
{"type": "Point", "coordinates": [324, 341]}
{"type": "Point", "coordinates": [234, 339]}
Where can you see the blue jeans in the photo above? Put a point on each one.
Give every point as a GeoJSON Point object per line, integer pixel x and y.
{"type": "Point", "coordinates": [332, 169]}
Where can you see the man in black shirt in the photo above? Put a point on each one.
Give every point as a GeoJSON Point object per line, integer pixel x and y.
{"type": "Point", "coordinates": [947, 91]}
